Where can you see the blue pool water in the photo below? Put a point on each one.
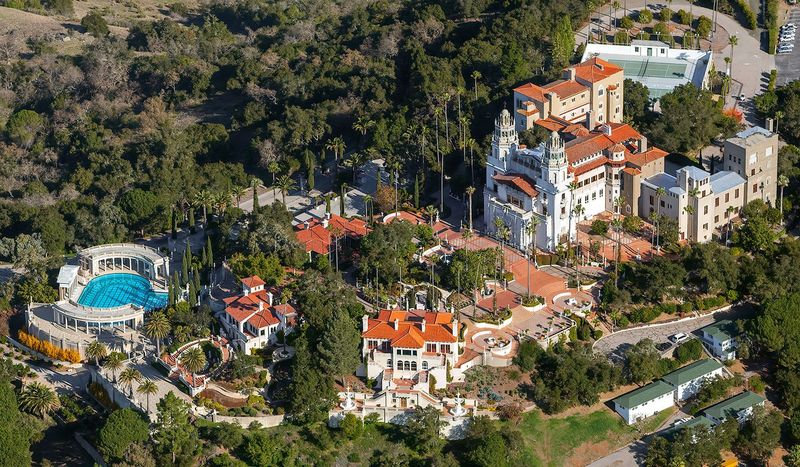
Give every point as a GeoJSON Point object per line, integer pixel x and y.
{"type": "Point", "coordinates": [114, 290]}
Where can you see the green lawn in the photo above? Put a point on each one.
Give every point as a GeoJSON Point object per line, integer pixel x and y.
{"type": "Point", "coordinates": [550, 442]}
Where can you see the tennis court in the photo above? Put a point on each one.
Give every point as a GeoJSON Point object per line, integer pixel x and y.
{"type": "Point", "coordinates": [650, 69]}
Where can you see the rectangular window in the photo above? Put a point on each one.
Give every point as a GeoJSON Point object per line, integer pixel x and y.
{"type": "Point", "coordinates": [651, 200]}
{"type": "Point", "coordinates": [736, 194]}
{"type": "Point", "coordinates": [705, 226]}
{"type": "Point", "coordinates": [705, 209]}
{"type": "Point", "coordinates": [430, 347]}
{"type": "Point", "coordinates": [594, 195]}
{"type": "Point", "coordinates": [752, 171]}
{"type": "Point", "coordinates": [768, 151]}
{"type": "Point", "coordinates": [662, 203]}
{"type": "Point", "coordinates": [445, 348]}
{"type": "Point", "coordinates": [716, 219]}
{"type": "Point", "coordinates": [755, 187]}
{"type": "Point", "coordinates": [753, 158]}
{"type": "Point", "coordinates": [716, 202]}
{"type": "Point", "coordinates": [727, 197]}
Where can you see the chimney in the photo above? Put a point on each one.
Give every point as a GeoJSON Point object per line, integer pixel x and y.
{"type": "Point", "coordinates": [305, 225]}
{"type": "Point", "coordinates": [364, 323]}
{"type": "Point", "coordinates": [643, 144]}
{"type": "Point", "coordinates": [422, 326]}
{"type": "Point", "coordinates": [396, 324]}
{"type": "Point", "coordinates": [260, 305]}
{"type": "Point", "coordinates": [325, 222]}
{"type": "Point", "coordinates": [269, 298]}
{"type": "Point", "coordinates": [569, 73]}
{"type": "Point", "coordinates": [455, 328]}
{"type": "Point", "coordinates": [589, 120]}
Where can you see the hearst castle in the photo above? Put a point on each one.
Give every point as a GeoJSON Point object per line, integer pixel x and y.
{"type": "Point", "coordinates": [593, 163]}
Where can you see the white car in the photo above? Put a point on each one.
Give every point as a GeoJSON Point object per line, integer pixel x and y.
{"type": "Point", "coordinates": [788, 26]}
{"type": "Point", "coordinates": [786, 47]}
{"type": "Point", "coordinates": [787, 38]}
{"type": "Point", "coordinates": [678, 338]}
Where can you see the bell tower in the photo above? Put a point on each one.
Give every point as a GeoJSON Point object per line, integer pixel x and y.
{"type": "Point", "coordinates": [554, 161]}
{"type": "Point", "coordinates": [504, 138]}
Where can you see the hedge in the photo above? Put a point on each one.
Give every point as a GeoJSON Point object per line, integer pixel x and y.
{"type": "Point", "coordinates": [752, 22]}
{"type": "Point", "coordinates": [48, 349]}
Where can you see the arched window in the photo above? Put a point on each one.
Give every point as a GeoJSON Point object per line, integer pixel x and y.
{"type": "Point", "coordinates": [407, 366]}
{"type": "Point", "coordinates": [413, 366]}
{"type": "Point", "coordinates": [424, 365]}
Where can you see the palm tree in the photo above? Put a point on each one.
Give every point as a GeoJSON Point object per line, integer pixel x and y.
{"type": "Point", "coordinates": [616, 6]}
{"type": "Point", "coordinates": [337, 146]}
{"type": "Point", "coordinates": [355, 162]}
{"type": "Point", "coordinates": [157, 327]}
{"type": "Point", "coordinates": [660, 192]}
{"type": "Point", "coordinates": [128, 377]}
{"type": "Point", "coordinates": [431, 212]}
{"type": "Point", "coordinates": [783, 182]}
{"type": "Point", "coordinates": [502, 231]}
{"type": "Point", "coordinates": [96, 350]}
{"type": "Point", "coordinates": [273, 168]}
{"type": "Point", "coordinates": [368, 206]}
{"type": "Point", "coordinates": [220, 202]}
{"type": "Point", "coordinates": [439, 159]}
{"type": "Point", "coordinates": [733, 41]}
{"type": "Point", "coordinates": [285, 184]}
{"type": "Point", "coordinates": [38, 399]}
{"type": "Point", "coordinates": [530, 230]}
{"type": "Point", "coordinates": [114, 363]}
{"type": "Point", "coordinates": [362, 125]}
{"type": "Point", "coordinates": [238, 192]}
{"type": "Point", "coordinates": [579, 210]}
{"type": "Point", "coordinates": [572, 187]}
{"type": "Point", "coordinates": [616, 225]}
{"type": "Point", "coordinates": [476, 75]}
{"type": "Point", "coordinates": [203, 198]}
{"type": "Point", "coordinates": [470, 191]}
{"type": "Point", "coordinates": [194, 360]}
{"type": "Point", "coordinates": [147, 387]}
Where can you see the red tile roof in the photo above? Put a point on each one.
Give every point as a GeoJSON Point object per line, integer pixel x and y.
{"type": "Point", "coordinates": [246, 308]}
{"type": "Point", "coordinates": [591, 165]}
{"type": "Point", "coordinates": [315, 238]}
{"type": "Point", "coordinates": [409, 334]}
{"type": "Point", "coordinates": [643, 158]}
{"type": "Point", "coordinates": [519, 182]}
{"type": "Point", "coordinates": [353, 228]}
{"type": "Point", "coordinates": [253, 281]}
{"type": "Point", "coordinates": [565, 88]}
{"type": "Point", "coordinates": [531, 90]}
{"type": "Point", "coordinates": [595, 69]}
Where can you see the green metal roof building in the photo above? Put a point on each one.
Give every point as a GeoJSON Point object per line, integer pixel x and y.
{"type": "Point", "coordinates": [687, 380]}
{"type": "Point", "coordinates": [738, 407]}
{"type": "Point", "coordinates": [696, 422]}
{"type": "Point", "coordinates": [720, 338]}
{"type": "Point", "coordinates": [644, 402]}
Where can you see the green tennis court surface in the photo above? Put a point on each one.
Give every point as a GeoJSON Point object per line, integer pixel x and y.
{"type": "Point", "coordinates": [648, 69]}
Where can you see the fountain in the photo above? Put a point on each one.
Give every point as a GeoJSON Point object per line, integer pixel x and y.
{"type": "Point", "coordinates": [349, 403]}
{"type": "Point", "coordinates": [458, 410]}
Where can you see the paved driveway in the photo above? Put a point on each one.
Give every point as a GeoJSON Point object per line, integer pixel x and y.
{"type": "Point", "coordinates": [614, 345]}
{"type": "Point", "coordinates": [788, 65]}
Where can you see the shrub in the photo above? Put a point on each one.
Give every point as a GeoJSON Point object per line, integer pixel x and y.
{"type": "Point", "coordinates": [626, 22]}
{"type": "Point", "coordinates": [351, 426]}
{"type": "Point", "coordinates": [688, 351]}
{"type": "Point", "coordinates": [632, 224]}
{"type": "Point", "coordinates": [662, 30]}
{"type": "Point", "coordinates": [665, 14]}
{"type": "Point", "coordinates": [48, 349]}
{"type": "Point", "coordinates": [95, 24]}
{"type": "Point", "coordinates": [703, 27]}
{"type": "Point", "coordinates": [645, 16]}
{"type": "Point", "coordinates": [750, 17]}
{"type": "Point", "coordinates": [622, 38]}
{"type": "Point", "coordinates": [353, 457]}
{"type": "Point", "coordinates": [686, 307]}
{"type": "Point", "coordinates": [122, 428]}
{"type": "Point", "coordinates": [684, 17]}
{"type": "Point", "coordinates": [757, 383]}
{"type": "Point", "coordinates": [599, 227]}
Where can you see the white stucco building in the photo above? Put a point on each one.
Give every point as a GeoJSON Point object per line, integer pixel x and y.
{"type": "Point", "coordinates": [687, 380]}
{"type": "Point", "coordinates": [644, 402]}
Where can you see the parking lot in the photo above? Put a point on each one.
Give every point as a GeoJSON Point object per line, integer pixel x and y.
{"type": "Point", "coordinates": [788, 64]}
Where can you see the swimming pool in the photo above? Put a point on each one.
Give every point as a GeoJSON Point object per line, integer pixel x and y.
{"type": "Point", "coordinates": [112, 290]}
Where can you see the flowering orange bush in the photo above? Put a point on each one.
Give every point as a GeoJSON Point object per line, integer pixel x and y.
{"type": "Point", "coordinates": [48, 349]}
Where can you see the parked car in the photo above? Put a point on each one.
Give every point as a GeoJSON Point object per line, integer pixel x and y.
{"type": "Point", "coordinates": [678, 338]}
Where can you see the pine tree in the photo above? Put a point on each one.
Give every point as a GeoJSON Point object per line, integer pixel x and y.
{"type": "Point", "coordinates": [338, 347]}
{"type": "Point", "coordinates": [416, 191]}
{"type": "Point", "coordinates": [312, 391]}
{"type": "Point", "coordinates": [177, 442]}
{"type": "Point", "coordinates": [310, 179]}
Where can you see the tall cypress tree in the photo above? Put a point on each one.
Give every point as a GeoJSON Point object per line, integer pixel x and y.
{"type": "Point", "coordinates": [203, 258]}
{"type": "Point", "coordinates": [209, 253]}
{"type": "Point", "coordinates": [184, 268]}
{"type": "Point", "coordinates": [191, 219]}
{"type": "Point", "coordinates": [176, 286]}
{"type": "Point", "coordinates": [170, 294]}
{"type": "Point", "coordinates": [342, 200]}
{"type": "Point", "coordinates": [255, 198]}
{"type": "Point", "coordinates": [174, 224]}
{"type": "Point", "coordinates": [196, 279]}
{"type": "Point", "coordinates": [192, 295]}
